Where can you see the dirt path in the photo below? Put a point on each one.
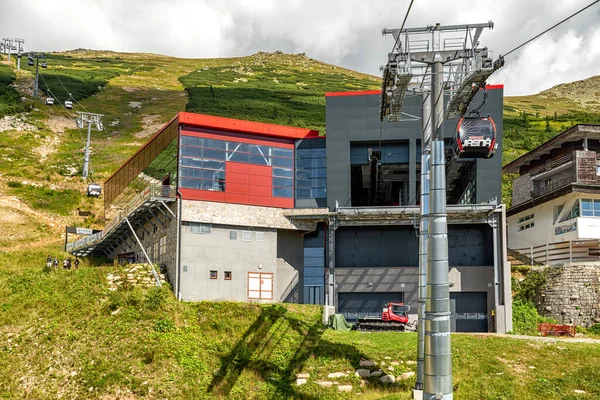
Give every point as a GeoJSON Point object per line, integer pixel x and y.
{"type": "Point", "coordinates": [548, 339]}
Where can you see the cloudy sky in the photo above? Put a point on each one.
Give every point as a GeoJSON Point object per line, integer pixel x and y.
{"type": "Point", "coordinates": [342, 32]}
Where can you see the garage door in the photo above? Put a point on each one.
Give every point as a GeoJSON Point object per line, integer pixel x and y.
{"type": "Point", "coordinates": [470, 311]}
{"type": "Point", "coordinates": [356, 305]}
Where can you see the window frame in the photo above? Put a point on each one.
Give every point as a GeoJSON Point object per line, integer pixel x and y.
{"type": "Point", "coordinates": [214, 274]}
{"type": "Point", "coordinates": [227, 275]}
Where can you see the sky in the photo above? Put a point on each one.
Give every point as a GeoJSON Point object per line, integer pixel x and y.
{"type": "Point", "coordinates": [341, 32]}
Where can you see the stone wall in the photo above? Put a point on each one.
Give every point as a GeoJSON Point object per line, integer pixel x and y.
{"type": "Point", "coordinates": [571, 294]}
{"type": "Point", "coordinates": [522, 187]}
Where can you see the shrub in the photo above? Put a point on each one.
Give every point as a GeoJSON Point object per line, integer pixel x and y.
{"type": "Point", "coordinates": [594, 329]}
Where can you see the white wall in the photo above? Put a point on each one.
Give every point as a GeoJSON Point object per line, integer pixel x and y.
{"type": "Point", "coordinates": [543, 230]}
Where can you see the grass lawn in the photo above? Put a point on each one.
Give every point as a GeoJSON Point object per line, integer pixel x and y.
{"type": "Point", "coordinates": [64, 334]}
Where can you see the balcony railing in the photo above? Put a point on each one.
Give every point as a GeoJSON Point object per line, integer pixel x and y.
{"type": "Point", "coordinates": [551, 187]}
{"type": "Point", "coordinates": [551, 164]}
{"type": "Point", "coordinates": [151, 192]}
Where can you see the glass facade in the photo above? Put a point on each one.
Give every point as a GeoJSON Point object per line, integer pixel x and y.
{"type": "Point", "coordinates": [203, 163]}
{"type": "Point", "coordinates": [311, 173]}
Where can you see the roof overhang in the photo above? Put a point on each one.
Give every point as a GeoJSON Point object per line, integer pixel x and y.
{"type": "Point", "coordinates": [577, 132]}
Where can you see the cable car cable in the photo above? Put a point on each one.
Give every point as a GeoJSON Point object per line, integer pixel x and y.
{"type": "Point", "coordinates": [403, 22]}
{"type": "Point", "coordinates": [552, 27]}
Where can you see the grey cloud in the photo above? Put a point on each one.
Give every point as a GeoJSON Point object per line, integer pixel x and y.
{"type": "Point", "coordinates": [342, 32]}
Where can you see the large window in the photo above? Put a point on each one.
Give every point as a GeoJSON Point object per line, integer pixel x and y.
{"type": "Point", "coordinates": [311, 173]}
{"type": "Point", "coordinates": [590, 208]}
{"type": "Point", "coordinates": [203, 163]}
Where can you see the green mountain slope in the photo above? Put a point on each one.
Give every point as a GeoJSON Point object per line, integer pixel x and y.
{"type": "Point", "coordinates": [64, 334]}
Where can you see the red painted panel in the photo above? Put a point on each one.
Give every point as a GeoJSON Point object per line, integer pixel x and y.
{"type": "Point", "coordinates": [260, 170]}
{"type": "Point", "coordinates": [196, 194]}
{"type": "Point", "coordinates": [260, 190]}
{"type": "Point", "coordinates": [491, 87]}
{"type": "Point", "coordinates": [259, 200]}
{"type": "Point", "coordinates": [238, 188]}
{"type": "Point", "coordinates": [282, 202]}
{"type": "Point", "coordinates": [236, 177]}
{"type": "Point", "coordinates": [257, 128]}
{"type": "Point", "coordinates": [236, 198]}
{"type": "Point", "coordinates": [235, 167]}
{"type": "Point", "coordinates": [260, 180]}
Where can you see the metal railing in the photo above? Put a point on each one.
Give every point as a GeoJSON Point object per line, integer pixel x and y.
{"type": "Point", "coordinates": [551, 164]}
{"type": "Point", "coordinates": [150, 192]}
{"type": "Point", "coordinates": [552, 187]}
{"type": "Point", "coordinates": [563, 252]}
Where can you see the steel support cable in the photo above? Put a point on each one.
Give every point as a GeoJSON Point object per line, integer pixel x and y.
{"type": "Point", "coordinates": [403, 22]}
{"type": "Point", "coordinates": [64, 108]}
{"type": "Point", "coordinates": [552, 27]}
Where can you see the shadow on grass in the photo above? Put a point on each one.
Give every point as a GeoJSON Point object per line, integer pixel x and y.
{"type": "Point", "coordinates": [253, 349]}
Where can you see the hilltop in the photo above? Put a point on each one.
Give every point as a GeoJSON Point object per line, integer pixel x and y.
{"type": "Point", "coordinates": [42, 153]}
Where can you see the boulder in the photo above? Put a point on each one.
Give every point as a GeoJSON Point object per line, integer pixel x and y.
{"type": "Point", "coordinates": [303, 375]}
{"type": "Point", "coordinates": [336, 375]}
{"type": "Point", "coordinates": [325, 384]}
{"type": "Point", "coordinates": [300, 381]}
{"type": "Point", "coordinates": [377, 373]}
{"type": "Point", "coordinates": [405, 375]}
{"type": "Point", "coordinates": [363, 373]}
{"type": "Point", "coordinates": [367, 363]}
{"type": "Point", "coordinates": [345, 388]}
{"type": "Point", "coordinates": [387, 379]}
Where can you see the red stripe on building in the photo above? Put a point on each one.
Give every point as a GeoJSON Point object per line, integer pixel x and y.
{"type": "Point", "coordinates": [236, 125]}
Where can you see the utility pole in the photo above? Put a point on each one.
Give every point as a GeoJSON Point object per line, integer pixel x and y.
{"type": "Point", "coordinates": [90, 118]}
{"type": "Point", "coordinates": [423, 233]}
{"type": "Point", "coordinates": [37, 57]}
{"type": "Point", "coordinates": [455, 64]}
{"type": "Point", "coordinates": [8, 45]}
{"type": "Point", "coordinates": [20, 46]}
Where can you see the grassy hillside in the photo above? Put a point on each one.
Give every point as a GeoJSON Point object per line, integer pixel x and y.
{"type": "Point", "coordinates": [64, 334]}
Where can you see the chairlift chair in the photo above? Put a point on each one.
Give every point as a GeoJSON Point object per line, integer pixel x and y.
{"type": "Point", "coordinates": [30, 61]}
{"type": "Point", "coordinates": [94, 190]}
{"type": "Point", "coordinates": [68, 104]}
{"type": "Point", "coordinates": [44, 64]}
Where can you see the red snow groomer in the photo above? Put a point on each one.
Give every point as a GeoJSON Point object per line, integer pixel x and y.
{"type": "Point", "coordinates": [393, 318]}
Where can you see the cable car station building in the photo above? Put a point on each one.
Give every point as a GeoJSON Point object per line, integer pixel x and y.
{"type": "Point", "coordinates": [246, 211]}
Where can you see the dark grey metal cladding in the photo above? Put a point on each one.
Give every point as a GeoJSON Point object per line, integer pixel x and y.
{"type": "Point", "coordinates": [355, 118]}
{"type": "Point", "coordinates": [390, 246]}
{"type": "Point", "coordinates": [356, 304]}
{"type": "Point", "coordinates": [489, 172]}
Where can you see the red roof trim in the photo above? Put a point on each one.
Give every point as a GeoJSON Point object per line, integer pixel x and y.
{"type": "Point", "coordinates": [237, 125]}
{"type": "Point", "coordinates": [492, 87]}
{"type": "Point", "coordinates": [355, 93]}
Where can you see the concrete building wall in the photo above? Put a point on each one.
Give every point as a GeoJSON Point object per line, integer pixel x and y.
{"type": "Point", "coordinates": [546, 221]}
{"type": "Point", "coordinates": [261, 251]}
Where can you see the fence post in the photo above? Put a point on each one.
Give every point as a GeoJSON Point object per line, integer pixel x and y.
{"type": "Point", "coordinates": [531, 254]}
{"type": "Point", "coordinates": [546, 253]}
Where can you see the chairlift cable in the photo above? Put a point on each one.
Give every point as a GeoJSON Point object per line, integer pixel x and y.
{"type": "Point", "coordinates": [64, 108]}
{"type": "Point", "coordinates": [403, 22]}
{"type": "Point", "coordinates": [552, 27]}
